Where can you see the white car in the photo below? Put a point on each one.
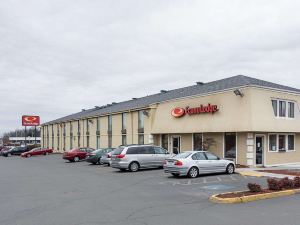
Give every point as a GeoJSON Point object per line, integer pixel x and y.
{"type": "Point", "coordinates": [193, 163]}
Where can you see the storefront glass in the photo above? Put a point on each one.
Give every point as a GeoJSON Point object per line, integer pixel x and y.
{"type": "Point", "coordinates": [230, 145]}
{"type": "Point", "coordinates": [198, 141]}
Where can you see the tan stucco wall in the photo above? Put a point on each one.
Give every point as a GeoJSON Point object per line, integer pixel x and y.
{"type": "Point", "coordinates": [233, 115]}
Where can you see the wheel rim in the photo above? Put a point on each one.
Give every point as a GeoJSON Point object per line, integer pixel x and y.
{"type": "Point", "coordinates": [76, 159]}
{"type": "Point", "coordinates": [193, 172]}
{"type": "Point", "coordinates": [230, 169]}
{"type": "Point", "coordinates": [134, 167]}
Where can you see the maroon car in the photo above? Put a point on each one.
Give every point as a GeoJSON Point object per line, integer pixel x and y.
{"type": "Point", "coordinates": [37, 151]}
{"type": "Point", "coordinates": [76, 154]}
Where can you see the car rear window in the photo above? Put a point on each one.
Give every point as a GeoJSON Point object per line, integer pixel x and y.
{"type": "Point", "coordinates": [182, 155]}
{"type": "Point", "coordinates": [118, 151]}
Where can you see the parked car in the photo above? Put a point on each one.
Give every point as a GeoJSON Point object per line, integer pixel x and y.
{"type": "Point", "coordinates": [134, 157]}
{"type": "Point", "coordinates": [193, 163]}
{"type": "Point", "coordinates": [14, 151]}
{"type": "Point", "coordinates": [6, 148]}
{"type": "Point", "coordinates": [95, 156]}
{"type": "Point", "coordinates": [106, 158]}
{"type": "Point", "coordinates": [37, 151]}
{"type": "Point", "coordinates": [77, 154]}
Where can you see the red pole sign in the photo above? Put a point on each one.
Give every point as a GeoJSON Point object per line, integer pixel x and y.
{"type": "Point", "coordinates": [30, 120]}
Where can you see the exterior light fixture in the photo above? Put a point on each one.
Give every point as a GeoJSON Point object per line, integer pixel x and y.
{"type": "Point", "coordinates": [146, 113]}
{"type": "Point", "coordinates": [237, 92]}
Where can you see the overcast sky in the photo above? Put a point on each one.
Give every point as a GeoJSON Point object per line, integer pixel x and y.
{"type": "Point", "coordinates": [59, 56]}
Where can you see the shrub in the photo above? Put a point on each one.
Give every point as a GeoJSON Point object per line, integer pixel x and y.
{"type": "Point", "coordinates": [253, 187]}
{"type": "Point", "coordinates": [273, 184]}
{"type": "Point", "coordinates": [297, 182]}
{"type": "Point", "coordinates": [286, 183]}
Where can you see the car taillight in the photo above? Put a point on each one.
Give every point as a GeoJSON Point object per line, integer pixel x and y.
{"type": "Point", "coordinates": [178, 163]}
{"type": "Point", "coordinates": [120, 156]}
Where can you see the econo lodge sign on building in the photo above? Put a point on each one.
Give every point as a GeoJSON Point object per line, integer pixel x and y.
{"type": "Point", "coordinates": [30, 120]}
{"type": "Point", "coordinates": [179, 112]}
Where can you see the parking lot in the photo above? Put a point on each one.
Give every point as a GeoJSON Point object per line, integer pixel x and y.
{"type": "Point", "coordinates": [47, 190]}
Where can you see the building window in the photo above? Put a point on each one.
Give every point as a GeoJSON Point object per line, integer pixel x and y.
{"type": "Point", "coordinates": [274, 104]}
{"type": "Point", "coordinates": [141, 120]}
{"type": "Point", "coordinates": [124, 140]}
{"type": "Point", "coordinates": [141, 139]}
{"type": "Point", "coordinates": [281, 142]}
{"type": "Point", "coordinates": [71, 135]}
{"type": "Point", "coordinates": [98, 133]}
{"type": "Point", "coordinates": [87, 125]}
{"type": "Point", "coordinates": [52, 135]}
{"type": "Point", "coordinates": [64, 136]}
{"type": "Point", "coordinates": [272, 142]}
{"type": "Point", "coordinates": [291, 110]}
{"type": "Point", "coordinates": [47, 136]}
{"type": "Point", "coordinates": [124, 121]}
{"type": "Point", "coordinates": [283, 108]}
{"type": "Point", "coordinates": [109, 131]}
{"type": "Point", "coordinates": [291, 142]}
{"type": "Point", "coordinates": [98, 124]}
{"type": "Point", "coordinates": [165, 141]}
{"type": "Point", "coordinates": [58, 137]}
{"type": "Point", "coordinates": [198, 141]}
{"type": "Point", "coordinates": [78, 132]}
{"type": "Point", "coordinates": [87, 141]}
{"type": "Point", "coordinates": [109, 140]}
{"type": "Point", "coordinates": [109, 123]}
{"type": "Point", "coordinates": [98, 141]}
{"type": "Point", "coordinates": [230, 145]}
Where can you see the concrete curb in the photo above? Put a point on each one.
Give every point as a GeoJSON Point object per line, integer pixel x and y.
{"type": "Point", "coordinates": [252, 198]}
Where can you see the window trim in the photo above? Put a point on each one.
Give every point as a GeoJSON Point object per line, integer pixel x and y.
{"type": "Point", "coordinates": [286, 142]}
{"type": "Point", "coordinates": [287, 102]}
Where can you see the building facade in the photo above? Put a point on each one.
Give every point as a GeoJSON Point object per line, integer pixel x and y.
{"type": "Point", "coordinates": [253, 122]}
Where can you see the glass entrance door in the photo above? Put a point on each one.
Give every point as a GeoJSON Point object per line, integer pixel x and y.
{"type": "Point", "coordinates": [259, 150]}
{"type": "Point", "coordinates": [176, 144]}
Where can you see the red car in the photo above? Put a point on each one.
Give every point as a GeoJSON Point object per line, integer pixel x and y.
{"type": "Point", "coordinates": [37, 151]}
{"type": "Point", "coordinates": [76, 154]}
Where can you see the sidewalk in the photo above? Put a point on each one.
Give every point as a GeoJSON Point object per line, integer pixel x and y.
{"type": "Point", "coordinates": [255, 173]}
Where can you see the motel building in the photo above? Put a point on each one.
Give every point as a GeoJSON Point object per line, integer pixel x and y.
{"type": "Point", "coordinates": [251, 121]}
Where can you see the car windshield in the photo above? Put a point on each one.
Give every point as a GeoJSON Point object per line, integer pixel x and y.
{"type": "Point", "coordinates": [183, 155]}
{"type": "Point", "coordinates": [117, 151]}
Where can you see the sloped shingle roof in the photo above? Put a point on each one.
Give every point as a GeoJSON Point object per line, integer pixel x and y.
{"type": "Point", "coordinates": [214, 86]}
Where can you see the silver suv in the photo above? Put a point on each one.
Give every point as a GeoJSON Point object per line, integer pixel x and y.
{"type": "Point", "coordinates": [134, 157]}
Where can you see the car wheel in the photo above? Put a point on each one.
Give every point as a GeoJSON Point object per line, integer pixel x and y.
{"type": "Point", "coordinates": [28, 155]}
{"type": "Point", "coordinates": [193, 172]}
{"type": "Point", "coordinates": [46, 153]}
{"type": "Point", "coordinates": [94, 163]}
{"type": "Point", "coordinates": [99, 161]}
{"type": "Point", "coordinates": [8, 154]}
{"type": "Point", "coordinates": [230, 169]}
{"type": "Point", "coordinates": [76, 158]}
{"type": "Point", "coordinates": [134, 166]}
{"type": "Point", "coordinates": [175, 174]}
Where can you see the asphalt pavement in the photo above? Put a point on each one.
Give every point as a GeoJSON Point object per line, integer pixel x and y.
{"type": "Point", "coordinates": [46, 190]}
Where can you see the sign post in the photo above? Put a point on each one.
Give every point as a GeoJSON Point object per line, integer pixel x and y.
{"type": "Point", "coordinates": [30, 121]}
